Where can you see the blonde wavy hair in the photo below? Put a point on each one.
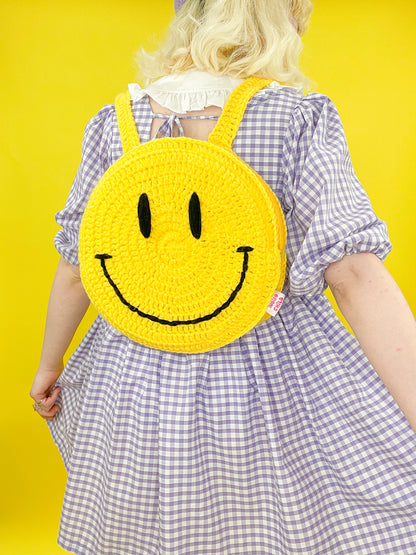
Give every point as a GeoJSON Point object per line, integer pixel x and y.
{"type": "Point", "coordinates": [237, 38]}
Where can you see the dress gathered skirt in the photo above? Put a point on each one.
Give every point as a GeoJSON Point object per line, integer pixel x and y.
{"type": "Point", "coordinates": [284, 441]}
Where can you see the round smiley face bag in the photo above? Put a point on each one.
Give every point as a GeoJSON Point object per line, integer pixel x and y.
{"type": "Point", "coordinates": [182, 243]}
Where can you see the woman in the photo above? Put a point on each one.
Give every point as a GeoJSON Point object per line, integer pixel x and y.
{"type": "Point", "coordinates": [295, 438]}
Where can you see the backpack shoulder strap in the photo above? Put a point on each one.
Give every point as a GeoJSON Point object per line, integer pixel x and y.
{"type": "Point", "coordinates": [226, 129]}
{"type": "Point", "coordinates": [223, 133]}
{"type": "Point", "coordinates": [126, 124]}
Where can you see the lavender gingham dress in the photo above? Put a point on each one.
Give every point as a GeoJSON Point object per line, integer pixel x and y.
{"type": "Point", "coordinates": [284, 441]}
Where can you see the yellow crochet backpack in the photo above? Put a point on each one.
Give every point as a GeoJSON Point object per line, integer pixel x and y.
{"type": "Point", "coordinates": [182, 244]}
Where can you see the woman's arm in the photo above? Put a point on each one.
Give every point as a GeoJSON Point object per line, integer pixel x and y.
{"type": "Point", "coordinates": [68, 303]}
{"type": "Point", "coordinates": [382, 322]}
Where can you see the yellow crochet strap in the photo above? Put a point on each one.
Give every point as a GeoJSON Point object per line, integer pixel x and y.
{"type": "Point", "coordinates": [227, 126]}
{"type": "Point", "coordinates": [126, 124]}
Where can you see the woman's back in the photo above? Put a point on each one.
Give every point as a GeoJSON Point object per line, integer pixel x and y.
{"type": "Point", "coordinates": [284, 440]}
{"type": "Point", "coordinates": [194, 128]}
{"type": "Point", "coordinates": [247, 448]}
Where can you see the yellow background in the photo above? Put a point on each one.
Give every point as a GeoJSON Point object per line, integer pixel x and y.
{"type": "Point", "coordinates": [61, 62]}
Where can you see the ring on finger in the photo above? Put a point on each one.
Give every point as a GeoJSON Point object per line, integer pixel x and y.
{"type": "Point", "coordinates": [38, 406]}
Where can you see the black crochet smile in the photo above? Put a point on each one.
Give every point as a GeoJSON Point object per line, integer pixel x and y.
{"type": "Point", "coordinates": [245, 250]}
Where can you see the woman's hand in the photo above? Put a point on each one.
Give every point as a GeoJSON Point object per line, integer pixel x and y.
{"type": "Point", "coordinates": [44, 392]}
{"type": "Point", "coordinates": [68, 303]}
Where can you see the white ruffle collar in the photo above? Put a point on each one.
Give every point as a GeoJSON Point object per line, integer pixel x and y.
{"type": "Point", "coordinates": [192, 90]}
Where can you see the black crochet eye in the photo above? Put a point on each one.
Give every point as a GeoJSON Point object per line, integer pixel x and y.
{"type": "Point", "coordinates": [195, 216]}
{"type": "Point", "coordinates": [143, 211]}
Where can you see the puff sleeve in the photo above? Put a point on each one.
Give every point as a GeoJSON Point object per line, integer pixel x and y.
{"type": "Point", "coordinates": [329, 213]}
{"type": "Point", "coordinates": [94, 162]}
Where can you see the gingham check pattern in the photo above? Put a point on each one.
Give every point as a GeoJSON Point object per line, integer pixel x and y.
{"type": "Point", "coordinates": [282, 442]}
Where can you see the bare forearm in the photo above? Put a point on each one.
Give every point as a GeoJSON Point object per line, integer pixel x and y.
{"type": "Point", "coordinates": [382, 322]}
{"type": "Point", "coordinates": [68, 303]}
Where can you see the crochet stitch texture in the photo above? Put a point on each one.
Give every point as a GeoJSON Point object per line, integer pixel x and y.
{"type": "Point", "coordinates": [182, 243]}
